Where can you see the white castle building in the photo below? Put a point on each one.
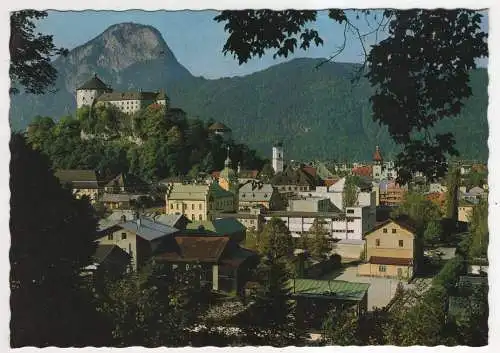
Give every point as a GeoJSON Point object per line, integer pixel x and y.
{"type": "Point", "coordinates": [95, 91]}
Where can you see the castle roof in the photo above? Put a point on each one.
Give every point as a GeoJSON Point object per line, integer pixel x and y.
{"type": "Point", "coordinates": [94, 83]}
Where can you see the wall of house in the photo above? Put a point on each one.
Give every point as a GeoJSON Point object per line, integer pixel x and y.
{"type": "Point", "coordinates": [86, 96]}
{"type": "Point", "coordinates": [389, 245]}
{"type": "Point", "coordinates": [125, 240]}
{"type": "Point", "coordinates": [464, 213]}
{"type": "Point", "coordinates": [391, 271]}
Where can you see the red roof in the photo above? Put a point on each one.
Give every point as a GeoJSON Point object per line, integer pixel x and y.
{"type": "Point", "coordinates": [310, 170]}
{"type": "Point", "coordinates": [195, 248]}
{"type": "Point", "coordinates": [379, 260]}
{"type": "Point", "coordinates": [216, 174]}
{"type": "Point", "coordinates": [330, 182]}
{"type": "Point", "coordinates": [377, 156]}
{"type": "Point", "coordinates": [363, 171]}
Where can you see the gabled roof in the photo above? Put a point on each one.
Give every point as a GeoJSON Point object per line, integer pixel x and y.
{"type": "Point", "coordinates": [94, 83]}
{"type": "Point", "coordinates": [293, 177]}
{"type": "Point", "coordinates": [192, 248]}
{"type": "Point", "coordinates": [111, 253]}
{"type": "Point", "coordinates": [148, 229]}
{"type": "Point", "coordinates": [363, 171]}
{"type": "Point", "coordinates": [403, 222]}
{"type": "Point", "coordinates": [221, 226]}
{"type": "Point", "coordinates": [78, 178]}
{"type": "Point", "coordinates": [256, 192]}
{"type": "Point", "coordinates": [171, 220]}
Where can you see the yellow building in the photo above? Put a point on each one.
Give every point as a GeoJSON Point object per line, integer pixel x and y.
{"type": "Point", "coordinates": [228, 179]}
{"type": "Point", "coordinates": [465, 211]}
{"type": "Point", "coordinates": [81, 182]}
{"type": "Point", "coordinates": [391, 251]}
{"type": "Point", "coordinates": [198, 202]}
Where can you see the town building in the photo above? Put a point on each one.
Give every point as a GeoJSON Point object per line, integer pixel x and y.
{"type": "Point", "coordinates": [292, 181]}
{"type": "Point", "coordinates": [81, 182]}
{"type": "Point", "coordinates": [315, 299]}
{"type": "Point", "coordinates": [256, 193]}
{"type": "Point", "coordinates": [230, 227]}
{"type": "Point", "coordinates": [391, 193]}
{"type": "Point", "coordinates": [310, 204]}
{"type": "Point", "coordinates": [252, 219]}
{"type": "Point", "coordinates": [219, 129]}
{"type": "Point", "coordinates": [392, 250]}
{"type": "Point", "coordinates": [228, 179]}
{"type": "Point", "coordinates": [95, 91]}
{"type": "Point", "coordinates": [219, 262]}
{"type": "Point", "coordinates": [139, 237]}
{"type": "Point", "coordinates": [108, 262]}
{"type": "Point", "coordinates": [198, 201]}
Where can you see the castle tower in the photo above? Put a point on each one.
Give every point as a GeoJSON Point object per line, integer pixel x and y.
{"type": "Point", "coordinates": [377, 164]}
{"type": "Point", "coordinates": [278, 157]}
{"type": "Point", "coordinates": [89, 91]}
{"type": "Point", "coordinates": [228, 180]}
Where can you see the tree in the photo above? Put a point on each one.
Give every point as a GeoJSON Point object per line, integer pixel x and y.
{"type": "Point", "coordinates": [270, 318]}
{"type": "Point", "coordinates": [276, 240]}
{"type": "Point", "coordinates": [52, 241]}
{"type": "Point", "coordinates": [479, 232]}
{"type": "Point", "coordinates": [453, 184]}
{"type": "Point", "coordinates": [350, 192]}
{"type": "Point", "coordinates": [432, 233]}
{"type": "Point", "coordinates": [342, 328]}
{"type": "Point", "coordinates": [317, 241]}
{"type": "Point", "coordinates": [152, 307]}
{"type": "Point", "coordinates": [420, 210]}
{"type": "Point", "coordinates": [31, 54]}
{"type": "Point", "coordinates": [410, 89]}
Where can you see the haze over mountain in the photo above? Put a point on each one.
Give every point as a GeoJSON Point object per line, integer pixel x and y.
{"type": "Point", "coordinates": [318, 113]}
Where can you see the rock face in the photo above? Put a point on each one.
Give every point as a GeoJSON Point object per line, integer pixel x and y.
{"type": "Point", "coordinates": [127, 56]}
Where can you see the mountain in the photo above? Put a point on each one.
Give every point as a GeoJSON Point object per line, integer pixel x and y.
{"type": "Point", "coordinates": [317, 113]}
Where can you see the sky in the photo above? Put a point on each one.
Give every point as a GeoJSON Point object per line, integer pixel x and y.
{"type": "Point", "coordinates": [197, 40]}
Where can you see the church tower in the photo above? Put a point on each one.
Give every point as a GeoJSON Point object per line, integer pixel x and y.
{"type": "Point", "coordinates": [278, 157]}
{"type": "Point", "coordinates": [377, 164]}
{"type": "Point", "coordinates": [228, 180]}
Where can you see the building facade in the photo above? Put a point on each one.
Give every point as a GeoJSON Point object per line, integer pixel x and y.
{"type": "Point", "coordinates": [198, 201]}
{"type": "Point", "coordinates": [257, 194]}
{"type": "Point", "coordinates": [278, 162]}
{"type": "Point", "coordinates": [391, 251]}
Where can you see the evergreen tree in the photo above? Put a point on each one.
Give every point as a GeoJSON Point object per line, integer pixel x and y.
{"type": "Point", "coordinates": [432, 233]}
{"type": "Point", "coordinates": [270, 319]}
{"type": "Point", "coordinates": [317, 241]}
{"type": "Point", "coordinates": [276, 240]}
{"type": "Point", "coordinates": [342, 328]}
{"type": "Point", "coordinates": [453, 184]}
{"type": "Point", "coordinates": [350, 192]}
{"type": "Point", "coordinates": [479, 232]}
{"type": "Point", "coordinates": [52, 241]}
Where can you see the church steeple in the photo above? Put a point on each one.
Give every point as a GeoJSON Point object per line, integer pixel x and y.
{"type": "Point", "coordinates": [227, 162]}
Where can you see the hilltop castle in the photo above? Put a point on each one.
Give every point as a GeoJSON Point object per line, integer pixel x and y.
{"type": "Point", "coordinates": [95, 91]}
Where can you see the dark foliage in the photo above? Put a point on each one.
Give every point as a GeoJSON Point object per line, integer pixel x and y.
{"type": "Point", "coordinates": [52, 240]}
{"type": "Point", "coordinates": [31, 53]}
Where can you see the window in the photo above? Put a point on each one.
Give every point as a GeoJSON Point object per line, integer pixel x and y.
{"type": "Point", "coordinates": [385, 230]}
{"type": "Point", "coordinates": [200, 206]}
{"type": "Point", "coordinates": [350, 211]}
{"type": "Point", "coordinates": [171, 206]}
{"type": "Point", "coordinates": [400, 243]}
{"type": "Point", "coordinates": [200, 217]}
{"type": "Point", "coordinates": [394, 231]}
{"type": "Point", "coordinates": [177, 206]}
{"type": "Point", "coordinates": [192, 206]}
{"type": "Point", "coordinates": [124, 235]}
{"type": "Point", "coordinates": [193, 217]}
{"type": "Point", "coordinates": [377, 242]}
{"type": "Point", "coordinates": [110, 236]}
{"type": "Point", "coordinates": [382, 268]}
